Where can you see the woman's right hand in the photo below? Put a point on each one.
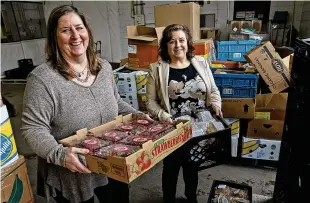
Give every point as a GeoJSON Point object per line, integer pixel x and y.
{"type": "Point", "coordinates": [165, 117]}
{"type": "Point", "coordinates": [72, 161]}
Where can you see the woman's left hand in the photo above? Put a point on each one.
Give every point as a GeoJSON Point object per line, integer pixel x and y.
{"type": "Point", "coordinates": [218, 111]}
{"type": "Point", "coordinates": [148, 118]}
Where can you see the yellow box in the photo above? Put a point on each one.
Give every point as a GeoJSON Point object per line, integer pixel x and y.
{"type": "Point", "coordinates": [234, 125]}
{"type": "Point", "coordinates": [8, 147]}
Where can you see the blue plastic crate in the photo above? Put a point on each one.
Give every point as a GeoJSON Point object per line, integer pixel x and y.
{"type": "Point", "coordinates": [223, 46]}
{"type": "Point", "coordinates": [231, 92]}
{"type": "Point", "coordinates": [235, 49]}
{"type": "Point", "coordinates": [236, 80]}
{"type": "Point", "coordinates": [222, 56]}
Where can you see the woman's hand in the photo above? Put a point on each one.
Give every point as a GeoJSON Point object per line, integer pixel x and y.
{"type": "Point", "coordinates": [148, 118]}
{"type": "Point", "coordinates": [72, 161]}
{"type": "Point", "coordinates": [165, 117]}
{"type": "Point", "coordinates": [218, 111]}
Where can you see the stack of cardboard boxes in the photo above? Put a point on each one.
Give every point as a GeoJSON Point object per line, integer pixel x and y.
{"type": "Point", "coordinates": [15, 185]}
{"type": "Point", "coordinates": [266, 112]}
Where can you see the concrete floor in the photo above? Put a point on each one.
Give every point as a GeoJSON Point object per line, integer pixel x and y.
{"type": "Point", "coordinates": [147, 188]}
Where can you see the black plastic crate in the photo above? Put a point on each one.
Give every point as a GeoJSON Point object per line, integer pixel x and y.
{"type": "Point", "coordinates": [230, 184]}
{"type": "Point", "coordinates": [212, 149]}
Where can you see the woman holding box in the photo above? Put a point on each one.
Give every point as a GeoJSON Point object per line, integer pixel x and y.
{"type": "Point", "coordinates": [74, 89]}
{"type": "Point", "coordinates": [180, 83]}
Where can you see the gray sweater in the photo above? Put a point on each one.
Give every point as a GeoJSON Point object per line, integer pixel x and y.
{"type": "Point", "coordinates": [55, 108]}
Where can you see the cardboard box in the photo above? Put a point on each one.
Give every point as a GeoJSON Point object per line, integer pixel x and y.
{"type": "Point", "coordinates": [126, 82]}
{"type": "Point", "coordinates": [238, 108]}
{"type": "Point", "coordinates": [208, 33]}
{"type": "Point", "coordinates": [15, 184]}
{"type": "Point", "coordinates": [181, 13]}
{"type": "Point", "coordinates": [223, 184]}
{"type": "Point", "coordinates": [143, 45]}
{"type": "Point", "coordinates": [127, 169]}
{"type": "Point", "coordinates": [270, 66]}
{"type": "Point", "coordinates": [275, 106]}
{"type": "Point", "coordinates": [141, 79]}
{"type": "Point", "coordinates": [234, 145]}
{"type": "Point", "coordinates": [142, 98]}
{"type": "Point", "coordinates": [234, 124]}
{"type": "Point", "coordinates": [261, 149]}
{"type": "Point", "coordinates": [131, 98]}
{"type": "Point", "coordinates": [8, 146]}
{"type": "Point", "coordinates": [206, 49]}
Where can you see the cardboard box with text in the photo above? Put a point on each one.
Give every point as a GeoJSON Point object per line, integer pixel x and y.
{"type": "Point", "coordinates": [238, 108]}
{"type": "Point", "coordinates": [270, 66]}
{"type": "Point", "coordinates": [127, 169]}
{"type": "Point", "coordinates": [143, 46]}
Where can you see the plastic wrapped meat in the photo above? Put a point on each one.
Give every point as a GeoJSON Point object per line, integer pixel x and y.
{"type": "Point", "coordinates": [199, 128]}
{"type": "Point", "coordinates": [135, 140]}
{"type": "Point", "coordinates": [159, 135]}
{"type": "Point", "coordinates": [226, 194]}
{"type": "Point", "coordinates": [204, 116]}
{"type": "Point", "coordinates": [185, 117]}
{"type": "Point", "coordinates": [158, 128]}
{"type": "Point", "coordinates": [93, 143]}
{"type": "Point", "coordinates": [214, 126]}
{"type": "Point", "coordinates": [133, 129]}
{"type": "Point", "coordinates": [111, 135]}
{"type": "Point", "coordinates": [144, 122]}
{"type": "Point", "coordinates": [120, 150]}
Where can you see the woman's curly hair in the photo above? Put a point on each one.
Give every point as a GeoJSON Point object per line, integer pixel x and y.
{"type": "Point", "coordinates": [166, 37]}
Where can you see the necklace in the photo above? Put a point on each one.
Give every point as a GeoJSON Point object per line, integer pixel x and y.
{"type": "Point", "coordinates": [79, 74]}
{"type": "Point", "coordinates": [83, 80]}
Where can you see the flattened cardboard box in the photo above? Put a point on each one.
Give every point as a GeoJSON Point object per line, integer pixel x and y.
{"type": "Point", "coordinates": [181, 13]}
{"type": "Point", "coordinates": [142, 46]}
{"type": "Point", "coordinates": [238, 108]}
{"type": "Point", "coordinates": [270, 66]}
{"type": "Point", "coordinates": [127, 169]}
{"type": "Point", "coordinates": [15, 184]}
{"type": "Point", "coordinates": [275, 105]}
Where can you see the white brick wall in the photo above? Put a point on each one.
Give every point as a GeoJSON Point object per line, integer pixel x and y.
{"type": "Point", "coordinates": [305, 21]}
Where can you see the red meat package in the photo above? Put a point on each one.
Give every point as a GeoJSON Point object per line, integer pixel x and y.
{"type": "Point", "coordinates": [133, 129]}
{"type": "Point", "coordinates": [157, 128]}
{"type": "Point", "coordinates": [111, 135]}
{"type": "Point", "coordinates": [93, 143]}
{"type": "Point", "coordinates": [135, 140]}
{"type": "Point", "coordinates": [161, 134]}
{"type": "Point", "coordinates": [120, 150]}
{"type": "Point", "coordinates": [143, 122]}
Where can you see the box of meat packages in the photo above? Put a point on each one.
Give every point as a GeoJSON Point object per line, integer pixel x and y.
{"type": "Point", "coordinates": [130, 157]}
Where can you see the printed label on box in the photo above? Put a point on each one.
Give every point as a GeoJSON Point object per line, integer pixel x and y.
{"type": "Point", "coordinates": [262, 115]}
{"type": "Point", "coordinates": [132, 49]}
{"type": "Point", "coordinates": [237, 55]}
{"type": "Point", "coordinates": [227, 91]}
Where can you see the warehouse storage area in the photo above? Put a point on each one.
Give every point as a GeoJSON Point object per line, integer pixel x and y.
{"type": "Point", "coordinates": [135, 119]}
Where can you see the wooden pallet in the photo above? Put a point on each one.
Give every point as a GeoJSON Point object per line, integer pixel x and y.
{"type": "Point", "coordinates": [14, 81]}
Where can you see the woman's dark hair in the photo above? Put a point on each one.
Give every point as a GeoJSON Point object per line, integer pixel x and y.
{"type": "Point", "coordinates": [166, 37]}
{"type": "Point", "coordinates": [52, 52]}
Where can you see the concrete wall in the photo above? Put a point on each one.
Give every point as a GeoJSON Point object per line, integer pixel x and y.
{"type": "Point", "coordinates": [103, 17]}
{"type": "Point", "coordinates": [287, 6]}
{"type": "Point", "coordinates": [305, 21]}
